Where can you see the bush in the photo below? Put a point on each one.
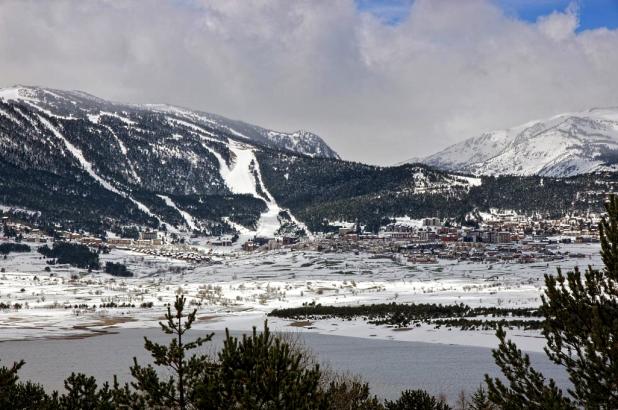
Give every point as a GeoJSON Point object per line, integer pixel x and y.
{"type": "Point", "coordinates": [117, 269]}
{"type": "Point", "coordinates": [73, 254]}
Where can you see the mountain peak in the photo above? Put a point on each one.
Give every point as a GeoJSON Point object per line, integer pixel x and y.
{"type": "Point", "coordinates": [563, 145]}
{"type": "Point", "coordinates": [62, 102]}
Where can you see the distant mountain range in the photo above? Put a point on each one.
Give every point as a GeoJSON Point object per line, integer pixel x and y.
{"type": "Point", "coordinates": [74, 161]}
{"type": "Point", "coordinates": [561, 146]}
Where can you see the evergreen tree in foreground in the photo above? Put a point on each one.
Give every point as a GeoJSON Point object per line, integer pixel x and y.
{"type": "Point", "coordinates": [416, 400]}
{"type": "Point", "coordinates": [581, 328]}
{"type": "Point", "coordinates": [261, 371]}
{"type": "Point", "coordinates": [178, 391]}
{"type": "Point", "coordinates": [258, 371]}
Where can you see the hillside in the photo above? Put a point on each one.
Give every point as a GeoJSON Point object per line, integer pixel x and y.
{"type": "Point", "coordinates": [321, 190]}
{"type": "Point", "coordinates": [90, 163]}
{"type": "Point", "coordinates": [561, 146]}
{"type": "Point", "coordinates": [74, 161]}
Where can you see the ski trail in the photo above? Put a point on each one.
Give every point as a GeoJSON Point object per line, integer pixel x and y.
{"type": "Point", "coordinates": [10, 117]}
{"type": "Point", "coordinates": [123, 148]}
{"type": "Point", "coordinates": [274, 204]}
{"type": "Point", "coordinates": [240, 179]}
{"type": "Point", "coordinates": [185, 215]}
{"type": "Point", "coordinates": [87, 166]}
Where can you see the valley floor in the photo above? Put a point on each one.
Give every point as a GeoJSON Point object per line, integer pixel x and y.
{"type": "Point", "coordinates": [239, 291]}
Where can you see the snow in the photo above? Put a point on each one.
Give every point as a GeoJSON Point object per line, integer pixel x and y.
{"type": "Point", "coordinates": [9, 116]}
{"type": "Point", "coordinates": [563, 145]}
{"type": "Point", "coordinates": [25, 94]}
{"type": "Point", "coordinates": [185, 215]}
{"type": "Point", "coordinates": [201, 131]}
{"type": "Point", "coordinates": [5, 208]}
{"type": "Point", "coordinates": [238, 177]}
{"type": "Point", "coordinates": [125, 120]}
{"type": "Point", "coordinates": [87, 166]}
{"type": "Point", "coordinates": [124, 151]}
{"type": "Point", "coordinates": [243, 287]}
{"type": "Point", "coordinates": [94, 118]}
{"type": "Point", "coordinates": [407, 221]}
{"type": "Point", "coordinates": [471, 181]}
{"type": "Point", "coordinates": [11, 93]}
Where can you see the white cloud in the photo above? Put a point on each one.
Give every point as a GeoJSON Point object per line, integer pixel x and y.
{"type": "Point", "coordinates": [378, 93]}
{"type": "Point", "coordinates": [560, 26]}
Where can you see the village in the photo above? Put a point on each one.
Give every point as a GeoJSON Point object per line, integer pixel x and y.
{"type": "Point", "coordinates": [501, 236]}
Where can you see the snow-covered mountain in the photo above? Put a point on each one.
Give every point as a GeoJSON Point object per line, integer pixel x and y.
{"type": "Point", "coordinates": [78, 162]}
{"type": "Point", "coordinates": [72, 153]}
{"type": "Point", "coordinates": [301, 142]}
{"type": "Point", "coordinates": [564, 145]}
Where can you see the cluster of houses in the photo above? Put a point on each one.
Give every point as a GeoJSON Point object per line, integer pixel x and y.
{"type": "Point", "coordinates": [499, 228]}
{"type": "Point", "coordinates": [35, 235]}
{"type": "Point", "coordinates": [505, 237]}
{"type": "Point", "coordinates": [499, 236]}
{"type": "Point", "coordinates": [175, 252]}
{"type": "Point", "coordinates": [262, 243]}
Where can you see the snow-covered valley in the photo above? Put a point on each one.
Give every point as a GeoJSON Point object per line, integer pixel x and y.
{"type": "Point", "coordinates": [240, 289]}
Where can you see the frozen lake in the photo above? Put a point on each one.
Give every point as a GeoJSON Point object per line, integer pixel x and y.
{"type": "Point", "coordinates": [388, 366]}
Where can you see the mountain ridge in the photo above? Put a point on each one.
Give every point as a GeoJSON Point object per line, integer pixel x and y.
{"type": "Point", "coordinates": [138, 162]}
{"type": "Point", "coordinates": [93, 164]}
{"type": "Point", "coordinates": [76, 162]}
{"type": "Point", "coordinates": [300, 141]}
{"type": "Point", "coordinates": [560, 146]}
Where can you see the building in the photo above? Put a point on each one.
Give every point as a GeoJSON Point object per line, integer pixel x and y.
{"type": "Point", "coordinates": [148, 235]}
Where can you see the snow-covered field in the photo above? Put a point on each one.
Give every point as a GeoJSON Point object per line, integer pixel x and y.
{"type": "Point", "coordinates": [238, 292]}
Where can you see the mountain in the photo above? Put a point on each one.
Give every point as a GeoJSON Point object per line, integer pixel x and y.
{"type": "Point", "coordinates": [90, 162]}
{"type": "Point", "coordinates": [300, 142]}
{"type": "Point", "coordinates": [69, 160]}
{"type": "Point", "coordinates": [564, 145]}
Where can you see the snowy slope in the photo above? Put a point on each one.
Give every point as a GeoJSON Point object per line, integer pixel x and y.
{"type": "Point", "coordinates": [302, 142]}
{"type": "Point", "coordinates": [164, 160]}
{"type": "Point", "coordinates": [564, 145]}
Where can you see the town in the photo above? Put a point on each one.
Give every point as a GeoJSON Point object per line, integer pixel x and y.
{"type": "Point", "coordinates": [496, 236]}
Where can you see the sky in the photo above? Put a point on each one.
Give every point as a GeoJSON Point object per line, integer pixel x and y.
{"type": "Point", "coordinates": [381, 81]}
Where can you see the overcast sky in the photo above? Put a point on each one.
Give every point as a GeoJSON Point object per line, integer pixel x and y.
{"type": "Point", "coordinates": [381, 81]}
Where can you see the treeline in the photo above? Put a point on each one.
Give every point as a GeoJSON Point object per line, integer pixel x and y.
{"type": "Point", "coordinates": [8, 247]}
{"type": "Point", "coordinates": [319, 190]}
{"type": "Point", "coordinates": [73, 254]}
{"type": "Point", "coordinates": [404, 314]}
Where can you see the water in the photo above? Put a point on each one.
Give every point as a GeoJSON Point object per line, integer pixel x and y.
{"type": "Point", "coordinates": [388, 366]}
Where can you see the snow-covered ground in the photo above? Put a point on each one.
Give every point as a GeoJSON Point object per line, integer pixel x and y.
{"type": "Point", "coordinates": [238, 292]}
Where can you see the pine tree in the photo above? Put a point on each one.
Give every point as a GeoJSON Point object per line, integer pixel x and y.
{"type": "Point", "coordinates": [480, 401]}
{"type": "Point", "coordinates": [581, 328]}
{"type": "Point", "coordinates": [84, 393]}
{"type": "Point", "coordinates": [350, 394]}
{"type": "Point", "coordinates": [416, 400]}
{"type": "Point", "coordinates": [17, 395]}
{"type": "Point", "coordinates": [261, 371]}
{"type": "Point", "coordinates": [9, 376]}
{"type": "Point", "coordinates": [178, 391]}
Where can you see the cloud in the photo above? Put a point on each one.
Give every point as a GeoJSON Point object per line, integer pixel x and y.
{"type": "Point", "coordinates": [560, 26]}
{"type": "Point", "coordinates": [377, 92]}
